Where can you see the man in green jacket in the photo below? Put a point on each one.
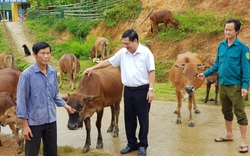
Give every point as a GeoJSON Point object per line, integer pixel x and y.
{"type": "Point", "coordinates": [232, 65]}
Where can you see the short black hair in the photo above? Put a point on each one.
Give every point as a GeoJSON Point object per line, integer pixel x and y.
{"type": "Point", "coordinates": [237, 23]}
{"type": "Point", "coordinates": [40, 45]}
{"type": "Point", "coordinates": [131, 34]}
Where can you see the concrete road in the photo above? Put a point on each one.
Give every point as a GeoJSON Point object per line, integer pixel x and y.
{"type": "Point", "coordinates": [165, 137]}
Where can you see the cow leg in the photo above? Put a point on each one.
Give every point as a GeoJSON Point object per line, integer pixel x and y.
{"type": "Point", "coordinates": [190, 121]}
{"type": "Point", "coordinates": [208, 86]}
{"type": "Point", "coordinates": [71, 78]}
{"type": "Point", "coordinates": [178, 94]}
{"type": "Point", "coordinates": [98, 126]}
{"type": "Point", "coordinates": [216, 92]}
{"type": "Point", "coordinates": [14, 130]}
{"type": "Point", "coordinates": [196, 110]}
{"type": "Point", "coordinates": [115, 112]}
{"type": "Point", "coordinates": [112, 124]}
{"type": "Point", "coordinates": [88, 141]}
{"type": "Point", "coordinates": [21, 146]}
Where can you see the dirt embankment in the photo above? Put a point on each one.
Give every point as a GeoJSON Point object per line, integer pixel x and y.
{"type": "Point", "coordinates": [165, 50]}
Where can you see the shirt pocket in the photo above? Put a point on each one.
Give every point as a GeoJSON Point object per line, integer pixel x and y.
{"type": "Point", "coordinates": [221, 57]}
{"type": "Point", "coordinates": [234, 59]}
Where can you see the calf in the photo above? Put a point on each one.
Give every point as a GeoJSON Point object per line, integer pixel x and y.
{"type": "Point", "coordinates": [183, 75]}
{"type": "Point", "coordinates": [101, 45]}
{"type": "Point", "coordinates": [6, 102]}
{"type": "Point", "coordinates": [212, 79]}
{"type": "Point", "coordinates": [10, 118]}
{"type": "Point", "coordinates": [69, 64]}
{"type": "Point", "coordinates": [26, 50]}
{"type": "Point", "coordinates": [165, 17]}
{"type": "Point", "coordinates": [103, 88]}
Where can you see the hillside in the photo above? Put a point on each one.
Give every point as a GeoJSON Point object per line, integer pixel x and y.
{"type": "Point", "coordinates": [164, 50]}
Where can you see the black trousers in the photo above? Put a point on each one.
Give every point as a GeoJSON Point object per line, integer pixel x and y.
{"type": "Point", "coordinates": [48, 134]}
{"type": "Point", "coordinates": [136, 106]}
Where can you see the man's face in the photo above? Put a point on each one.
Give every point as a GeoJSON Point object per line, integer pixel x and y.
{"type": "Point", "coordinates": [229, 31]}
{"type": "Point", "coordinates": [129, 45]}
{"type": "Point", "coordinates": [43, 56]}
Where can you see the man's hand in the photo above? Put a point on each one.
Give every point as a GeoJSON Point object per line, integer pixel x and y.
{"type": "Point", "coordinates": [88, 71]}
{"type": "Point", "coordinates": [69, 109]}
{"type": "Point", "coordinates": [201, 76]}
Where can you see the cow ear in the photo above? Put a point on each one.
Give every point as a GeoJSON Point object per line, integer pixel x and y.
{"type": "Point", "coordinates": [65, 98]}
{"type": "Point", "coordinates": [202, 68]}
{"type": "Point", "coordinates": [179, 67]}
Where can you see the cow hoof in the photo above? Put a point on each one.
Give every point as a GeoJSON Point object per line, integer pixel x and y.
{"type": "Point", "coordinates": [110, 129]}
{"type": "Point", "coordinates": [115, 135]}
{"type": "Point", "coordinates": [191, 124]}
{"type": "Point", "coordinates": [19, 151]}
{"type": "Point", "coordinates": [205, 100]}
{"type": "Point", "coordinates": [176, 112]}
{"type": "Point", "coordinates": [178, 121]}
{"type": "Point", "coordinates": [197, 111]}
{"type": "Point", "coordinates": [85, 149]}
{"type": "Point", "coordinates": [99, 145]}
{"type": "Point", "coordinates": [215, 102]}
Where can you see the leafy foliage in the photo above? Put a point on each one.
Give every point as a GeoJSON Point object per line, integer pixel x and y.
{"type": "Point", "coordinates": [121, 13]}
{"type": "Point", "coordinates": [193, 22]}
{"type": "Point", "coordinates": [51, 2]}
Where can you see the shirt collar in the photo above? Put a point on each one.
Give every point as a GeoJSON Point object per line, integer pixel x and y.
{"type": "Point", "coordinates": [137, 50]}
{"type": "Point", "coordinates": [37, 69]}
{"type": "Point", "coordinates": [236, 42]}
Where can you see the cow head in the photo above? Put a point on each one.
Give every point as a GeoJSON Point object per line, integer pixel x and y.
{"type": "Point", "coordinates": [92, 53]}
{"type": "Point", "coordinates": [78, 67]}
{"type": "Point", "coordinates": [190, 72]}
{"type": "Point", "coordinates": [176, 24]}
{"type": "Point", "coordinates": [81, 103]}
{"type": "Point", "coordinates": [74, 100]}
{"type": "Point", "coordinates": [9, 117]}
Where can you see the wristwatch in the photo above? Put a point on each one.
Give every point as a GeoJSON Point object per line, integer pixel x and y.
{"type": "Point", "coordinates": [152, 89]}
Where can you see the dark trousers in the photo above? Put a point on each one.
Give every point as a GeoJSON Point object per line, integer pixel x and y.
{"type": "Point", "coordinates": [136, 106]}
{"type": "Point", "coordinates": [48, 134]}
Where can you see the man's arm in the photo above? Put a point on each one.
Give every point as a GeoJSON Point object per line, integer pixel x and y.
{"type": "Point", "coordinates": [103, 64]}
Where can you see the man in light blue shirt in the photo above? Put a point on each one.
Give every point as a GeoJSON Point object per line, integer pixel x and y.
{"type": "Point", "coordinates": [37, 97]}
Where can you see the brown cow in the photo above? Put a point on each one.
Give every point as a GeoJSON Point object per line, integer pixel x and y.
{"type": "Point", "coordinates": [8, 80]}
{"type": "Point", "coordinates": [69, 64]}
{"type": "Point", "coordinates": [6, 102]}
{"type": "Point", "coordinates": [165, 17]}
{"type": "Point", "coordinates": [101, 89]}
{"type": "Point", "coordinates": [10, 118]}
{"type": "Point", "coordinates": [102, 46]}
{"type": "Point", "coordinates": [212, 79]}
{"type": "Point", "coordinates": [183, 75]}
{"type": "Point", "coordinates": [7, 61]}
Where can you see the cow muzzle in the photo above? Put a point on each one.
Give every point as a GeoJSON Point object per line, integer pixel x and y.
{"type": "Point", "coordinates": [190, 91]}
{"type": "Point", "coordinates": [73, 126]}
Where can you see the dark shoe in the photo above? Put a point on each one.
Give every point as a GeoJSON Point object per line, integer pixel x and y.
{"type": "Point", "coordinates": [128, 149]}
{"type": "Point", "coordinates": [142, 151]}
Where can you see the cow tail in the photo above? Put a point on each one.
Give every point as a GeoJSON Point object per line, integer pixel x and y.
{"type": "Point", "coordinates": [12, 60]}
{"type": "Point", "coordinates": [106, 46]}
{"type": "Point", "coordinates": [74, 68]}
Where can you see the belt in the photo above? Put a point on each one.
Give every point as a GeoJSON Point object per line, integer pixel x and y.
{"type": "Point", "coordinates": [138, 88]}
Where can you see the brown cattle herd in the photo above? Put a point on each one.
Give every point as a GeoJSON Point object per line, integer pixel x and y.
{"type": "Point", "coordinates": [103, 88]}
